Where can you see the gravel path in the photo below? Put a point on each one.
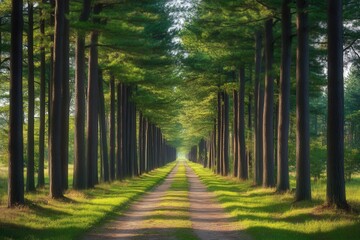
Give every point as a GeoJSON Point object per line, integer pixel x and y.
{"type": "Point", "coordinates": [208, 219]}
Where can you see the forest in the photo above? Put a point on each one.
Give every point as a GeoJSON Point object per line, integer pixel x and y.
{"type": "Point", "coordinates": [103, 96]}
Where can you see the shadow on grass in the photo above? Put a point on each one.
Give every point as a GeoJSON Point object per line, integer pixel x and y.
{"type": "Point", "coordinates": [14, 231]}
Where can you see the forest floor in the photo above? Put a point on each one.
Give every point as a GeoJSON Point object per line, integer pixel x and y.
{"type": "Point", "coordinates": [192, 203]}
{"type": "Point", "coordinates": [180, 208]}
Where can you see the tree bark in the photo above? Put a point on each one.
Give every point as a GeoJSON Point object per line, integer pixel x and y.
{"type": "Point", "coordinates": [80, 174]}
{"type": "Point", "coordinates": [284, 100]}
{"type": "Point", "coordinates": [242, 146]}
{"type": "Point", "coordinates": [235, 132]}
{"type": "Point", "coordinates": [303, 189]}
{"type": "Point", "coordinates": [103, 138]}
{"type": "Point", "coordinates": [92, 113]}
{"type": "Point", "coordinates": [41, 178]}
{"type": "Point", "coordinates": [66, 103]}
{"type": "Point", "coordinates": [258, 112]}
{"type": "Point", "coordinates": [268, 126]}
{"type": "Point", "coordinates": [119, 137]}
{"type": "Point", "coordinates": [112, 128]}
{"type": "Point", "coordinates": [30, 178]}
{"type": "Point", "coordinates": [335, 192]}
{"type": "Point", "coordinates": [226, 135]}
{"type": "Point", "coordinates": [219, 133]}
{"type": "Point", "coordinates": [56, 189]}
{"type": "Point", "coordinates": [16, 161]}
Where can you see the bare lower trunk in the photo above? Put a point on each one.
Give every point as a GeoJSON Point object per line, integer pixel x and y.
{"type": "Point", "coordinates": [303, 190]}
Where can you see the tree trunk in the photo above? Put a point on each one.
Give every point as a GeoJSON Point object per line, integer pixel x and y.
{"type": "Point", "coordinates": [268, 126]}
{"type": "Point", "coordinates": [226, 134]}
{"type": "Point", "coordinates": [242, 150]}
{"type": "Point", "coordinates": [103, 138]}
{"type": "Point", "coordinates": [41, 178]}
{"type": "Point", "coordinates": [335, 192]}
{"type": "Point", "coordinates": [66, 104]}
{"type": "Point", "coordinates": [303, 189]}
{"type": "Point", "coordinates": [30, 178]}
{"type": "Point", "coordinates": [80, 174]}
{"type": "Point", "coordinates": [119, 137]}
{"type": "Point", "coordinates": [284, 100]}
{"type": "Point", "coordinates": [235, 132]}
{"type": "Point", "coordinates": [112, 128]}
{"type": "Point", "coordinates": [56, 189]}
{"type": "Point", "coordinates": [219, 124]}
{"type": "Point", "coordinates": [258, 113]}
{"type": "Point", "coordinates": [92, 113]}
{"type": "Point", "coordinates": [16, 161]}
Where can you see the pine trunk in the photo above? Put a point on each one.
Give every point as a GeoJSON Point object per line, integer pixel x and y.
{"type": "Point", "coordinates": [56, 187]}
{"type": "Point", "coordinates": [284, 100]}
{"type": "Point", "coordinates": [335, 193]}
{"type": "Point", "coordinates": [268, 124]}
{"type": "Point", "coordinates": [80, 174]}
{"type": "Point", "coordinates": [16, 161]}
{"type": "Point", "coordinates": [112, 128]}
{"type": "Point", "coordinates": [303, 189]}
{"type": "Point", "coordinates": [30, 174]}
{"type": "Point", "coordinates": [242, 150]}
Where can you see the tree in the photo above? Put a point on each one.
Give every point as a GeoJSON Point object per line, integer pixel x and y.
{"type": "Point", "coordinates": [80, 180]}
{"type": "Point", "coordinates": [41, 178]}
{"type": "Point", "coordinates": [303, 189]}
{"type": "Point", "coordinates": [30, 178]}
{"type": "Point", "coordinates": [112, 128]}
{"type": "Point", "coordinates": [16, 161]}
{"type": "Point", "coordinates": [56, 184]}
{"type": "Point", "coordinates": [335, 191]}
{"type": "Point", "coordinates": [284, 100]}
{"type": "Point", "coordinates": [242, 156]}
{"type": "Point", "coordinates": [268, 132]}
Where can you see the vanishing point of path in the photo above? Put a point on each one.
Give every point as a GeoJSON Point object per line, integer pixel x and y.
{"type": "Point", "coordinates": [148, 218]}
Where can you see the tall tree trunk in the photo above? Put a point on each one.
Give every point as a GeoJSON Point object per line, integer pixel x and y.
{"type": "Point", "coordinates": [226, 134]}
{"type": "Point", "coordinates": [242, 150]}
{"type": "Point", "coordinates": [41, 178]}
{"type": "Point", "coordinates": [303, 189]}
{"type": "Point", "coordinates": [92, 113]}
{"type": "Point", "coordinates": [112, 128]}
{"type": "Point", "coordinates": [219, 133]}
{"type": "Point", "coordinates": [103, 138]}
{"type": "Point", "coordinates": [335, 192]}
{"type": "Point", "coordinates": [16, 161]}
{"type": "Point", "coordinates": [268, 126]}
{"type": "Point", "coordinates": [258, 112]}
{"type": "Point", "coordinates": [30, 178]}
{"type": "Point", "coordinates": [249, 152]}
{"type": "Point", "coordinates": [80, 174]}
{"type": "Point", "coordinates": [56, 189]}
{"type": "Point", "coordinates": [119, 137]}
{"type": "Point", "coordinates": [284, 100]}
{"type": "Point", "coordinates": [235, 132]}
{"type": "Point", "coordinates": [66, 104]}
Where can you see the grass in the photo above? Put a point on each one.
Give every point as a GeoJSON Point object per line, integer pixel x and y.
{"type": "Point", "coordinates": [71, 217]}
{"type": "Point", "coordinates": [173, 211]}
{"type": "Point", "coordinates": [267, 215]}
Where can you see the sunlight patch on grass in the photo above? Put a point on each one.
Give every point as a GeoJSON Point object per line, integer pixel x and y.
{"type": "Point", "coordinates": [267, 215]}
{"type": "Point", "coordinates": [69, 218]}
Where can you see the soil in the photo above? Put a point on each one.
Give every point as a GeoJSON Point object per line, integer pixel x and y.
{"type": "Point", "coordinates": [208, 219]}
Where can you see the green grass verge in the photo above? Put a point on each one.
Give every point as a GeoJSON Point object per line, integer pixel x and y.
{"type": "Point", "coordinates": [267, 215]}
{"type": "Point", "coordinates": [46, 218]}
{"type": "Point", "coordinates": [172, 215]}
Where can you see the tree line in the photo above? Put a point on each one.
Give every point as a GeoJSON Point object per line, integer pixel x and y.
{"type": "Point", "coordinates": [136, 143]}
{"type": "Point", "coordinates": [256, 49]}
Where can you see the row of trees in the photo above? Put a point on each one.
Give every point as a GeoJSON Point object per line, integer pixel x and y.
{"type": "Point", "coordinates": [265, 30]}
{"type": "Point", "coordinates": [137, 144]}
